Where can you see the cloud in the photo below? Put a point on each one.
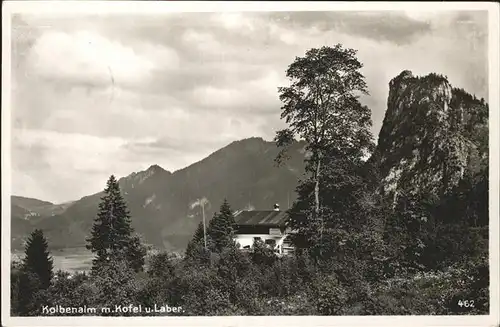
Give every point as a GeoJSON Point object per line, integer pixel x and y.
{"type": "Point", "coordinates": [235, 21]}
{"type": "Point", "coordinates": [391, 26]}
{"type": "Point", "coordinates": [94, 95]}
{"type": "Point", "coordinates": [89, 59]}
{"type": "Point", "coordinates": [54, 166]}
{"type": "Point", "coordinates": [240, 97]}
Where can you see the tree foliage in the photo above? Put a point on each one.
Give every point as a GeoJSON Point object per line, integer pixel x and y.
{"type": "Point", "coordinates": [37, 258]}
{"type": "Point", "coordinates": [321, 106]}
{"type": "Point", "coordinates": [220, 228]}
{"type": "Point", "coordinates": [196, 242]}
{"type": "Point", "coordinates": [112, 231]}
{"type": "Point", "coordinates": [220, 234]}
{"type": "Point", "coordinates": [32, 277]}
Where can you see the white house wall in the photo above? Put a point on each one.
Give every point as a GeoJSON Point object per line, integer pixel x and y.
{"type": "Point", "coordinates": [248, 239]}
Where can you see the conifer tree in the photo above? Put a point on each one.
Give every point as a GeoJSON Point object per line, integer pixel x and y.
{"type": "Point", "coordinates": [32, 277]}
{"type": "Point", "coordinates": [37, 259]}
{"type": "Point", "coordinates": [221, 227]}
{"type": "Point", "coordinates": [196, 249]}
{"type": "Point", "coordinates": [136, 253]}
{"type": "Point", "coordinates": [198, 234]}
{"type": "Point", "coordinates": [111, 232]}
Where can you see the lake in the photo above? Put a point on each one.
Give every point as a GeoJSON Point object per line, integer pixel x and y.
{"type": "Point", "coordinates": [70, 260]}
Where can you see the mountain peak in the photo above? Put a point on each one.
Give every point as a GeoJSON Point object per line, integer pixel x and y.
{"type": "Point", "coordinates": [155, 168]}
{"type": "Point", "coordinates": [248, 141]}
{"type": "Point", "coordinates": [139, 177]}
{"type": "Point", "coordinates": [425, 115]}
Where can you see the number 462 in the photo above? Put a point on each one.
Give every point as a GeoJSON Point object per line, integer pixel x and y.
{"type": "Point", "coordinates": [466, 303]}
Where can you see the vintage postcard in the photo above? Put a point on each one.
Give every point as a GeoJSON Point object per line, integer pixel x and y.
{"type": "Point", "coordinates": [249, 164]}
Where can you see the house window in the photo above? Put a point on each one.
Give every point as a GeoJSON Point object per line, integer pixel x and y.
{"type": "Point", "coordinates": [274, 231]}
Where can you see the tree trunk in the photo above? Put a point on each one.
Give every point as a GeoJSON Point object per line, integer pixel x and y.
{"type": "Point", "coordinates": [316, 205]}
{"type": "Point", "coordinates": [316, 188]}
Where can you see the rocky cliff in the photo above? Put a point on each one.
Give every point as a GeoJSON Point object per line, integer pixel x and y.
{"type": "Point", "coordinates": [432, 135]}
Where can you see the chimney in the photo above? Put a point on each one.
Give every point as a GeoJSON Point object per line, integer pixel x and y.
{"type": "Point", "coordinates": [276, 207]}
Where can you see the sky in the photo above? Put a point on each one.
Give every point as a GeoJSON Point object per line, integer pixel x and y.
{"type": "Point", "coordinates": [93, 96]}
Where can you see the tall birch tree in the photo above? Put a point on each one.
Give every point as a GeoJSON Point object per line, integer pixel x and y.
{"type": "Point", "coordinates": [321, 106]}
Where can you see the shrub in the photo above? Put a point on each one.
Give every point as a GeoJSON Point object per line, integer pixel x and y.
{"type": "Point", "coordinates": [262, 255]}
{"type": "Point", "coordinates": [117, 283]}
{"type": "Point", "coordinates": [329, 295]}
{"type": "Point", "coordinates": [29, 294]}
{"type": "Point", "coordinates": [72, 291]}
{"type": "Point", "coordinates": [434, 292]}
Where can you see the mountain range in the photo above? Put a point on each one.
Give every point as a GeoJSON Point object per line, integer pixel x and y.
{"type": "Point", "coordinates": [432, 136]}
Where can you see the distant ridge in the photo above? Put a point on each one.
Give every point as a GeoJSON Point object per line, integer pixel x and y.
{"type": "Point", "coordinates": [27, 202]}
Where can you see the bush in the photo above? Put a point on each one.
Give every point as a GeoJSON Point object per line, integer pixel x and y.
{"type": "Point", "coordinates": [262, 255]}
{"type": "Point", "coordinates": [298, 304]}
{"type": "Point", "coordinates": [232, 266]}
{"type": "Point", "coordinates": [72, 291]}
{"type": "Point", "coordinates": [30, 295]}
{"type": "Point", "coordinates": [329, 295]}
{"type": "Point", "coordinates": [15, 276]}
{"type": "Point", "coordinates": [199, 291]}
{"type": "Point", "coordinates": [277, 280]}
{"type": "Point", "coordinates": [117, 283]}
{"type": "Point", "coordinates": [161, 265]}
{"type": "Point", "coordinates": [433, 293]}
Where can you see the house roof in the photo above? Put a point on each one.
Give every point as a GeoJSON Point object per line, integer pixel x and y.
{"type": "Point", "coordinates": [262, 218]}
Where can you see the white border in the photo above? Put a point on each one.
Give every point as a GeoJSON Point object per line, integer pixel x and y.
{"type": "Point", "coordinates": [150, 7]}
{"type": "Point", "coordinates": [160, 7]}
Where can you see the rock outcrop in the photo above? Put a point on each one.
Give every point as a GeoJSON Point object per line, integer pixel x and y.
{"type": "Point", "coordinates": [432, 135]}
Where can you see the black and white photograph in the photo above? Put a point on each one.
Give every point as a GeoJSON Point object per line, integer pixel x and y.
{"type": "Point", "coordinates": [191, 159]}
